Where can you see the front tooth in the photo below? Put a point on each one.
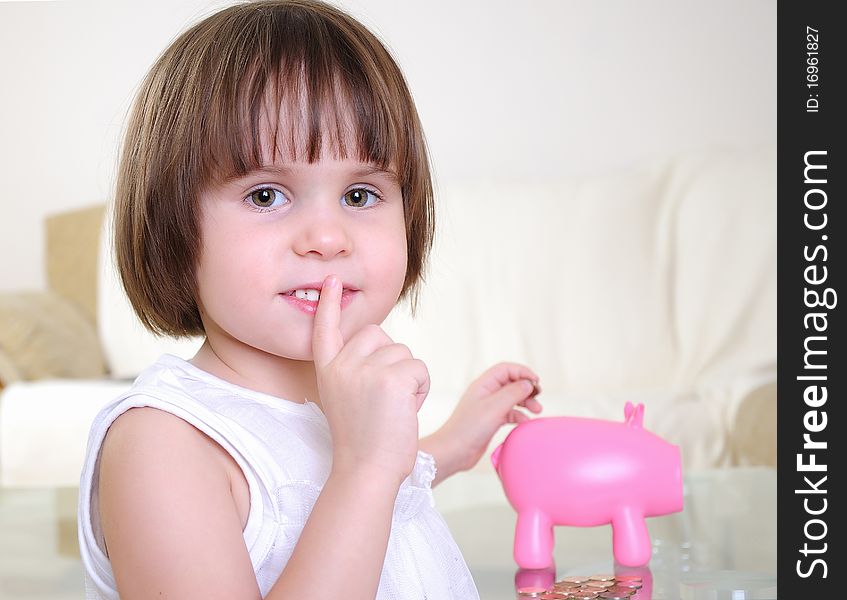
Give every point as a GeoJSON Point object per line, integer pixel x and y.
{"type": "Point", "coordinates": [311, 295]}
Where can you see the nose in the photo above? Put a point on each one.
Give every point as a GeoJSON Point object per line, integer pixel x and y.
{"type": "Point", "coordinates": [323, 233]}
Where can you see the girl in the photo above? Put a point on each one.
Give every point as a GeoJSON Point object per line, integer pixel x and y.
{"type": "Point", "coordinates": [274, 195]}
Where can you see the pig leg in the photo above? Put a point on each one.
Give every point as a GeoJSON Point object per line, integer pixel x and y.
{"type": "Point", "coordinates": [533, 540]}
{"type": "Point", "coordinates": [630, 539]}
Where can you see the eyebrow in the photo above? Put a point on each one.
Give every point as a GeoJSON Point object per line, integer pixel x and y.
{"type": "Point", "coordinates": [374, 170]}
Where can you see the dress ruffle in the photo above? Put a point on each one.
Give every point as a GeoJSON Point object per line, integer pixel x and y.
{"type": "Point", "coordinates": [416, 491]}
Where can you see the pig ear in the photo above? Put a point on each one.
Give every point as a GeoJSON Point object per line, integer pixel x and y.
{"type": "Point", "coordinates": [634, 415]}
{"type": "Point", "coordinates": [495, 456]}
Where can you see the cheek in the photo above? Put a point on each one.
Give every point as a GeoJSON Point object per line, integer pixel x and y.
{"type": "Point", "coordinates": [227, 267]}
{"type": "Point", "coordinates": [394, 256]}
{"type": "Point", "coordinates": [235, 251]}
{"type": "Point", "coordinates": [384, 262]}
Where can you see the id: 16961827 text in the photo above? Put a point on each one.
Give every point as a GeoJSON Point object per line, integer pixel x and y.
{"type": "Point", "coordinates": [812, 71]}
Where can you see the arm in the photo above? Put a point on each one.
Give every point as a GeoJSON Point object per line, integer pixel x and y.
{"type": "Point", "coordinates": [162, 483]}
{"type": "Point", "coordinates": [490, 402]}
{"type": "Point", "coordinates": [450, 456]}
{"type": "Point", "coordinates": [167, 512]}
{"type": "Point", "coordinates": [344, 541]}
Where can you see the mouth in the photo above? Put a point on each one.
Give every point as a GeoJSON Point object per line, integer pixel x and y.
{"type": "Point", "coordinates": [312, 295]}
{"type": "Point", "coordinates": [311, 292]}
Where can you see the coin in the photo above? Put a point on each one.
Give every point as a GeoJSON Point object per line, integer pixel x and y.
{"type": "Point", "coordinates": [622, 589]}
{"type": "Point", "coordinates": [601, 585]}
{"type": "Point", "coordinates": [583, 595]}
{"type": "Point", "coordinates": [580, 587]}
{"type": "Point", "coordinates": [607, 595]}
{"type": "Point", "coordinates": [531, 591]}
{"type": "Point", "coordinates": [629, 584]}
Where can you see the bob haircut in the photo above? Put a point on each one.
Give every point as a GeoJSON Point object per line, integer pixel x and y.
{"type": "Point", "coordinates": [197, 120]}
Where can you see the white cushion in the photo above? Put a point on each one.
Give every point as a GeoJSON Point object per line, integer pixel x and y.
{"type": "Point", "coordinates": [44, 429]}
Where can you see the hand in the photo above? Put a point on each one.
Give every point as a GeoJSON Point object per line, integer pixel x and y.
{"type": "Point", "coordinates": [371, 390]}
{"type": "Point", "coordinates": [490, 402]}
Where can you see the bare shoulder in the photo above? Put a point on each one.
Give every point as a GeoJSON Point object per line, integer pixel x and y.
{"type": "Point", "coordinates": [167, 511]}
{"type": "Point", "coordinates": [146, 422]}
{"type": "Point", "coordinates": [147, 433]}
{"type": "Point", "coordinates": [154, 448]}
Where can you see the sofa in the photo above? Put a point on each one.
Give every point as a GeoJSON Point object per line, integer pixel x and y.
{"type": "Point", "coordinates": [655, 283]}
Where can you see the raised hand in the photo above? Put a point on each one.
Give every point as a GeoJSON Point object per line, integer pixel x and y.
{"type": "Point", "coordinates": [371, 390]}
{"type": "Point", "coordinates": [491, 401]}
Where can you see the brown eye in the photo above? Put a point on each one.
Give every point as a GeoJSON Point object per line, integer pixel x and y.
{"type": "Point", "coordinates": [265, 197]}
{"type": "Point", "coordinates": [360, 198]}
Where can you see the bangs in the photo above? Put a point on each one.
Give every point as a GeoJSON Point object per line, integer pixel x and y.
{"type": "Point", "coordinates": [293, 86]}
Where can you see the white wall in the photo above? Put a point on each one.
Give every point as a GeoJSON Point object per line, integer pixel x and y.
{"type": "Point", "coordinates": [540, 89]}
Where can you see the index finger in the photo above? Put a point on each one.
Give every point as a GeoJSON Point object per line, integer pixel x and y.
{"type": "Point", "coordinates": [327, 340]}
{"type": "Point", "coordinates": [505, 373]}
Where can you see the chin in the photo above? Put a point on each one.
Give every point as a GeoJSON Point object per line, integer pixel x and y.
{"type": "Point", "coordinates": [301, 352]}
{"type": "Point", "coordinates": [295, 341]}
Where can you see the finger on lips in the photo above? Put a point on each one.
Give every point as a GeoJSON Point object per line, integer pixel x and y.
{"type": "Point", "coordinates": [327, 340]}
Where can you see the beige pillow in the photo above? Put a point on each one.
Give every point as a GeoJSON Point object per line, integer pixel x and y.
{"type": "Point", "coordinates": [753, 439]}
{"type": "Point", "coordinates": [44, 336]}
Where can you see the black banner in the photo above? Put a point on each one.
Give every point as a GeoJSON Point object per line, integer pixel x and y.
{"type": "Point", "coordinates": [812, 170]}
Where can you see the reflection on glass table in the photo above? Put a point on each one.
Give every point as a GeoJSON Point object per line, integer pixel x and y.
{"type": "Point", "coordinates": [722, 546]}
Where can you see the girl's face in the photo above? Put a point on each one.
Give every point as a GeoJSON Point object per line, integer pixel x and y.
{"type": "Point", "coordinates": [286, 227]}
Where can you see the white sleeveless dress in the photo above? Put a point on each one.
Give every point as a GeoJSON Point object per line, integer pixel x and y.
{"type": "Point", "coordinates": [285, 452]}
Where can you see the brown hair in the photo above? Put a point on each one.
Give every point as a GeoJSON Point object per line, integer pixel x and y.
{"type": "Point", "coordinates": [196, 120]}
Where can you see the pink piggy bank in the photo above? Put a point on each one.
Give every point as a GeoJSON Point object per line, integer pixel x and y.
{"type": "Point", "coordinates": [587, 472]}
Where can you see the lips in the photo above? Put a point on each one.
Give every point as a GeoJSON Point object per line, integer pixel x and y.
{"type": "Point", "coordinates": [306, 299]}
{"type": "Point", "coordinates": [316, 285]}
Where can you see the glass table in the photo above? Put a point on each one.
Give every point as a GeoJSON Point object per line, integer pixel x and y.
{"type": "Point", "coordinates": [722, 546]}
